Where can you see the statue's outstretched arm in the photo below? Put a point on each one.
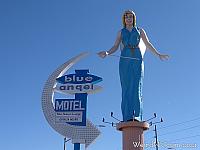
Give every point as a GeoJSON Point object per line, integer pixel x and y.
{"type": "Point", "coordinates": [114, 48]}
{"type": "Point", "coordinates": [150, 46]}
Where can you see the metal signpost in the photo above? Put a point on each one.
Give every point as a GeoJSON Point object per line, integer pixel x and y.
{"type": "Point", "coordinates": [68, 116]}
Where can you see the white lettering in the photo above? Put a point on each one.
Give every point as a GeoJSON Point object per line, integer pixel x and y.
{"type": "Point", "coordinates": [88, 79]}
{"type": "Point", "coordinates": [62, 87]}
{"type": "Point", "coordinates": [136, 144]}
{"type": "Point", "coordinates": [80, 106]}
{"type": "Point", "coordinates": [76, 105]}
{"type": "Point", "coordinates": [66, 105]}
{"type": "Point", "coordinates": [67, 79]}
{"type": "Point", "coordinates": [75, 78]}
{"type": "Point", "coordinates": [79, 78]}
{"type": "Point", "coordinates": [69, 105]}
{"type": "Point", "coordinates": [70, 86]}
{"type": "Point", "coordinates": [59, 106]}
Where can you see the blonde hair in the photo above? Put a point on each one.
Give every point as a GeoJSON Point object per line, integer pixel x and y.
{"type": "Point", "coordinates": [129, 12]}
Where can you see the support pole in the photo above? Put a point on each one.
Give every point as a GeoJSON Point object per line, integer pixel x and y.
{"type": "Point", "coordinates": [64, 143]}
{"type": "Point", "coordinates": [132, 134]}
{"type": "Point", "coordinates": [76, 146]}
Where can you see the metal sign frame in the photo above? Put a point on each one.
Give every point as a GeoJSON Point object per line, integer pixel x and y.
{"type": "Point", "coordinates": [88, 133]}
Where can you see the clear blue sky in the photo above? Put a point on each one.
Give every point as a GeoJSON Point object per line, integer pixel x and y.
{"type": "Point", "coordinates": [37, 36]}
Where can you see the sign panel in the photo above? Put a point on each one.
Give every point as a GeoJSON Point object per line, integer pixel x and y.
{"type": "Point", "coordinates": [80, 82]}
{"type": "Point", "coordinates": [71, 111]}
{"type": "Point", "coordinates": [69, 117]}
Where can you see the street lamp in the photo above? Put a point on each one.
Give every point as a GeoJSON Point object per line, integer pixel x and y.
{"type": "Point", "coordinates": [65, 141]}
{"type": "Point", "coordinates": [100, 126]}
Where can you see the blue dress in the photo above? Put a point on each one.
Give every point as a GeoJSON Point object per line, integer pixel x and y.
{"type": "Point", "coordinates": [131, 74]}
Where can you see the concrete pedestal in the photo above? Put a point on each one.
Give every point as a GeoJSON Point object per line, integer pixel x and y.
{"type": "Point", "coordinates": [132, 134]}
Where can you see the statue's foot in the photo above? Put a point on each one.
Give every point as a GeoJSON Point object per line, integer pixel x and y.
{"type": "Point", "coordinates": [136, 120]}
{"type": "Point", "coordinates": [130, 120]}
{"type": "Point", "coordinates": [133, 120]}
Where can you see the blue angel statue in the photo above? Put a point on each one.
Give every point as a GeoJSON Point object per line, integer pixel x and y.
{"type": "Point", "coordinates": [131, 65]}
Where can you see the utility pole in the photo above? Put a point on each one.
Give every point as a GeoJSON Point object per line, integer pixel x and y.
{"type": "Point", "coordinates": [64, 143]}
{"type": "Point", "coordinates": [156, 132]}
{"type": "Point", "coordinates": [156, 136]}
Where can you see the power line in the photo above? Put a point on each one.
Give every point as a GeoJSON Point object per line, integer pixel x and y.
{"type": "Point", "coordinates": [175, 130]}
{"type": "Point", "coordinates": [176, 124]}
{"type": "Point", "coordinates": [187, 137]}
{"type": "Point", "coordinates": [180, 123]}
{"type": "Point", "coordinates": [197, 126]}
{"type": "Point", "coordinates": [148, 131]}
{"type": "Point", "coordinates": [180, 130]}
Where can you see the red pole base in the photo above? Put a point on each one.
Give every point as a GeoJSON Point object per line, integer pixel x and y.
{"type": "Point", "coordinates": [132, 134]}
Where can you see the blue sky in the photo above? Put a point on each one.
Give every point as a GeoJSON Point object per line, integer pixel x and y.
{"type": "Point", "coordinates": [37, 36]}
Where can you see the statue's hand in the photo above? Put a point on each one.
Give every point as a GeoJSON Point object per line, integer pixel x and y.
{"type": "Point", "coordinates": [163, 57]}
{"type": "Point", "coordinates": [102, 54]}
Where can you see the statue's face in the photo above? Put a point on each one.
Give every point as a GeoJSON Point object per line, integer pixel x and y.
{"type": "Point", "coordinates": [129, 19]}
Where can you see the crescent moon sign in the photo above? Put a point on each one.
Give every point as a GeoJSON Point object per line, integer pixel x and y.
{"type": "Point", "coordinates": [88, 133]}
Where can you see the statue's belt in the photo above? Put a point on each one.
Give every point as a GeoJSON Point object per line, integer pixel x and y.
{"type": "Point", "coordinates": [132, 48]}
